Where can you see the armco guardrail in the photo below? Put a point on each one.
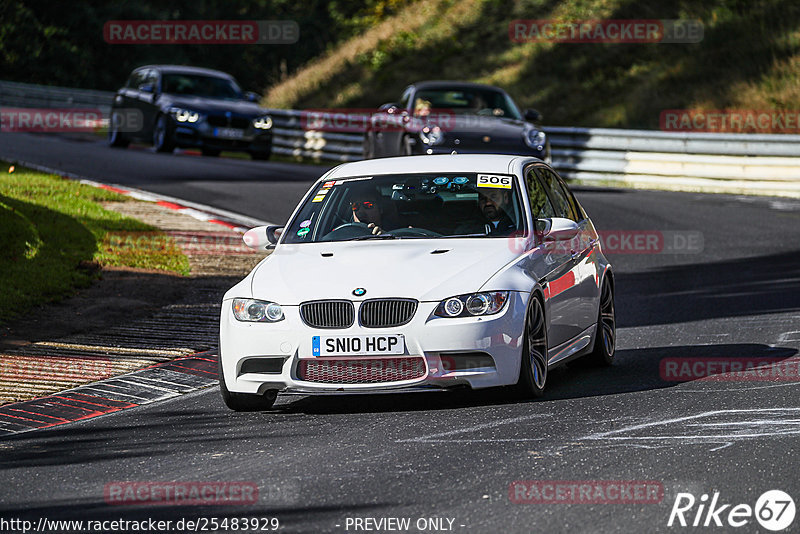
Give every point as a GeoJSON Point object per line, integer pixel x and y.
{"type": "Point", "coordinates": [748, 162]}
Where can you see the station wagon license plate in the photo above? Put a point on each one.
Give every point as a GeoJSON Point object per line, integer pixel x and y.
{"type": "Point", "coordinates": [228, 133]}
{"type": "Point", "coordinates": [357, 345]}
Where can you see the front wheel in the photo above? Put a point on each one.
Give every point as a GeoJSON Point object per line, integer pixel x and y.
{"type": "Point", "coordinates": [605, 337]}
{"type": "Point", "coordinates": [533, 367]}
{"type": "Point", "coordinates": [246, 402]}
{"type": "Point", "coordinates": [162, 135]}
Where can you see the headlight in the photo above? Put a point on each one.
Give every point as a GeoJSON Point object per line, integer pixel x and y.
{"type": "Point", "coordinates": [184, 115]}
{"type": "Point", "coordinates": [257, 311]}
{"type": "Point", "coordinates": [263, 123]}
{"type": "Point", "coordinates": [431, 135]}
{"type": "Point", "coordinates": [534, 138]}
{"type": "Point", "coordinates": [487, 303]}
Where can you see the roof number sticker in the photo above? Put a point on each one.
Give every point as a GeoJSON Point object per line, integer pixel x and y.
{"type": "Point", "coordinates": [492, 180]}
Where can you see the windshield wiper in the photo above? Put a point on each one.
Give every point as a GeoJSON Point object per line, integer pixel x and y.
{"type": "Point", "coordinates": [379, 236]}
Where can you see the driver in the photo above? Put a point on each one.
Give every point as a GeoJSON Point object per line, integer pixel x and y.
{"type": "Point", "coordinates": [368, 209]}
{"type": "Point", "coordinates": [493, 204]}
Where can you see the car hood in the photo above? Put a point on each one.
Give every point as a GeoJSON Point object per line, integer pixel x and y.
{"type": "Point", "coordinates": [475, 127]}
{"type": "Point", "coordinates": [392, 268]}
{"type": "Point", "coordinates": [211, 105]}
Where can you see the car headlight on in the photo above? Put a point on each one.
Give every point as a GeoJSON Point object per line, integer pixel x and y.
{"type": "Point", "coordinates": [431, 135]}
{"type": "Point", "coordinates": [534, 138]}
{"type": "Point", "coordinates": [486, 303]}
{"type": "Point", "coordinates": [257, 311]}
{"type": "Point", "coordinates": [184, 115]}
{"type": "Point", "coordinates": [263, 123]}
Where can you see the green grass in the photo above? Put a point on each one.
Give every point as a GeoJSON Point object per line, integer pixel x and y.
{"type": "Point", "coordinates": [749, 58]}
{"type": "Point", "coordinates": [54, 235]}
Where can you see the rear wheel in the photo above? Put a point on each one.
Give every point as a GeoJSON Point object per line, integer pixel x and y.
{"type": "Point", "coordinates": [533, 366]}
{"type": "Point", "coordinates": [246, 402]}
{"type": "Point", "coordinates": [606, 335]}
{"type": "Point", "coordinates": [115, 137]}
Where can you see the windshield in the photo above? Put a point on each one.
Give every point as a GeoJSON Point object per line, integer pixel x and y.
{"type": "Point", "coordinates": [407, 206]}
{"type": "Point", "coordinates": [200, 85]}
{"type": "Point", "coordinates": [477, 101]}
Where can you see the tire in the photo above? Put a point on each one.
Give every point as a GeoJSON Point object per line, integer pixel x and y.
{"type": "Point", "coordinates": [405, 147]}
{"type": "Point", "coordinates": [261, 156]}
{"type": "Point", "coordinates": [369, 146]}
{"type": "Point", "coordinates": [116, 138]}
{"type": "Point", "coordinates": [245, 402]}
{"type": "Point", "coordinates": [162, 135]}
{"type": "Point", "coordinates": [605, 337]}
{"type": "Point", "coordinates": [533, 364]}
{"type": "Point", "coordinates": [210, 152]}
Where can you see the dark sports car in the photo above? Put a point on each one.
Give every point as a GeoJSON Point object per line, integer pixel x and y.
{"type": "Point", "coordinates": [175, 106]}
{"type": "Point", "coordinates": [440, 117]}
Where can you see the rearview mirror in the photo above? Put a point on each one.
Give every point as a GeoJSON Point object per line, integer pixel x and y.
{"type": "Point", "coordinates": [262, 237]}
{"type": "Point", "coordinates": [559, 229]}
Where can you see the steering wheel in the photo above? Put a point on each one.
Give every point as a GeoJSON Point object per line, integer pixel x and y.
{"type": "Point", "coordinates": [347, 231]}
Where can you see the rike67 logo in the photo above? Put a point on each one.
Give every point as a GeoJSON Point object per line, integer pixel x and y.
{"type": "Point", "coordinates": [774, 510]}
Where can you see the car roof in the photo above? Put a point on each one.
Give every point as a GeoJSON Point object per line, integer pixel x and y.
{"type": "Point", "coordinates": [488, 163]}
{"type": "Point", "coordinates": [439, 84]}
{"type": "Point", "coordinates": [185, 69]}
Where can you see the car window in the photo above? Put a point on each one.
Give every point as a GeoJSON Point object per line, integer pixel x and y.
{"type": "Point", "coordinates": [468, 101]}
{"type": "Point", "coordinates": [419, 205]}
{"type": "Point", "coordinates": [541, 208]}
{"type": "Point", "coordinates": [151, 79]}
{"type": "Point", "coordinates": [406, 98]}
{"type": "Point", "coordinates": [576, 207]}
{"type": "Point", "coordinates": [136, 79]}
{"type": "Point", "coordinates": [561, 202]}
{"type": "Point", "coordinates": [201, 85]}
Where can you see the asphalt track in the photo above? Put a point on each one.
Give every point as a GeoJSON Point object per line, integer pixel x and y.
{"type": "Point", "coordinates": [318, 461]}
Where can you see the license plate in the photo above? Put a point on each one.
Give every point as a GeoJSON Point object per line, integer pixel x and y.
{"type": "Point", "coordinates": [228, 133]}
{"type": "Point", "coordinates": [357, 345]}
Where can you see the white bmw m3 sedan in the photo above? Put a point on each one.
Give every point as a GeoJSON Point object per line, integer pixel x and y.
{"type": "Point", "coordinates": [419, 273]}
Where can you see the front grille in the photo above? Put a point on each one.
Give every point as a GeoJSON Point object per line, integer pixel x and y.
{"type": "Point", "coordinates": [381, 313]}
{"type": "Point", "coordinates": [235, 122]}
{"type": "Point", "coordinates": [365, 371]}
{"type": "Point", "coordinates": [328, 313]}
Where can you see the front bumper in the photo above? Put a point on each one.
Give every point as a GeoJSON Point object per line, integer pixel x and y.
{"type": "Point", "coordinates": [477, 352]}
{"type": "Point", "coordinates": [202, 135]}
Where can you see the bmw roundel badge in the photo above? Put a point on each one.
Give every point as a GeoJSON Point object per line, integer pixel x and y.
{"type": "Point", "coordinates": [359, 292]}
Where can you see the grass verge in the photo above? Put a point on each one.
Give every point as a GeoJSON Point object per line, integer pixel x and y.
{"type": "Point", "coordinates": [55, 235]}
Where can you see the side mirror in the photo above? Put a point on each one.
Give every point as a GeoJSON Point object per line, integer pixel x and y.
{"type": "Point", "coordinates": [391, 107]}
{"type": "Point", "coordinates": [262, 237]}
{"type": "Point", "coordinates": [147, 88]}
{"type": "Point", "coordinates": [250, 96]}
{"type": "Point", "coordinates": [531, 115]}
{"type": "Point", "coordinates": [559, 229]}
